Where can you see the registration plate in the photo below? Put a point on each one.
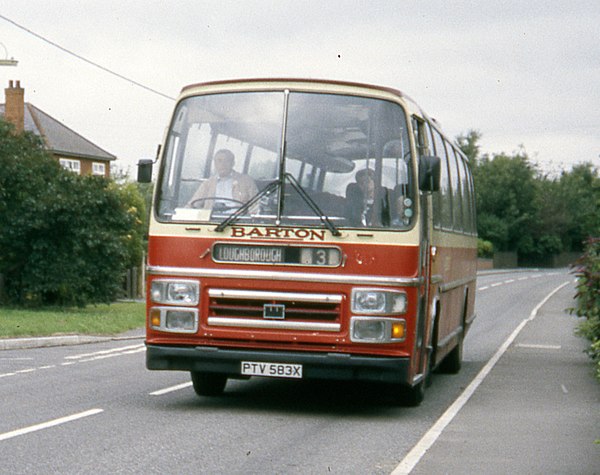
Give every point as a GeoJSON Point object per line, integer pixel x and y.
{"type": "Point", "coordinates": [273, 370]}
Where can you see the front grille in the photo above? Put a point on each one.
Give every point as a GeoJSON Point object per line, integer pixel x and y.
{"type": "Point", "coordinates": [303, 311]}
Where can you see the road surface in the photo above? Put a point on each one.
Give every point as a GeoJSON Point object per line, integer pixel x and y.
{"type": "Point", "coordinates": [95, 408]}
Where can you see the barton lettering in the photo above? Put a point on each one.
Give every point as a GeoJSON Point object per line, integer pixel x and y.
{"type": "Point", "coordinates": [299, 234]}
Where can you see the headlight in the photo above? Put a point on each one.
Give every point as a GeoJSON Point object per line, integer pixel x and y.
{"type": "Point", "coordinates": [173, 319]}
{"type": "Point", "coordinates": [378, 302]}
{"type": "Point", "coordinates": [175, 292]}
{"type": "Point", "coordinates": [377, 330]}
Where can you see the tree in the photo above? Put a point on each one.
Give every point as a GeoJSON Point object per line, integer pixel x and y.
{"type": "Point", "coordinates": [579, 192]}
{"type": "Point", "coordinates": [519, 209]}
{"type": "Point", "coordinates": [547, 229]}
{"type": "Point", "coordinates": [505, 194]}
{"type": "Point", "coordinates": [469, 144]}
{"type": "Point", "coordinates": [65, 239]}
{"type": "Point", "coordinates": [135, 203]}
{"type": "Point", "coordinates": [567, 210]}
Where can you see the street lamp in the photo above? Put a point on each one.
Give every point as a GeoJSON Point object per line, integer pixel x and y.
{"type": "Point", "coordinates": [6, 61]}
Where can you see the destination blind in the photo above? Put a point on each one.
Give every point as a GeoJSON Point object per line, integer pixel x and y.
{"type": "Point", "coordinates": [291, 255]}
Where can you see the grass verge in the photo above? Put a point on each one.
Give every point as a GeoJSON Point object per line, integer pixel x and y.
{"type": "Point", "coordinates": [93, 320]}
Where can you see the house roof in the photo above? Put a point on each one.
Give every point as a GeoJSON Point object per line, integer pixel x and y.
{"type": "Point", "coordinates": [60, 139]}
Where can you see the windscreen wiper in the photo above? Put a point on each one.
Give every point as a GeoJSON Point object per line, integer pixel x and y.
{"type": "Point", "coordinates": [269, 189]}
{"type": "Point", "coordinates": [231, 219]}
{"type": "Point", "coordinates": [312, 205]}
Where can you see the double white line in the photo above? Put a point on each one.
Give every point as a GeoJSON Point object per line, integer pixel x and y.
{"type": "Point", "coordinates": [100, 355]}
{"type": "Point", "coordinates": [84, 358]}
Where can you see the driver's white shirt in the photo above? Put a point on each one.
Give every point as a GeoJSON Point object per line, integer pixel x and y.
{"type": "Point", "coordinates": [236, 186]}
{"type": "Point", "coordinates": [224, 189]}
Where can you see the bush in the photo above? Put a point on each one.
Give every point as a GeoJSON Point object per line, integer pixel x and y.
{"type": "Point", "coordinates": [66, 239]}
{"type": "Point", "coordinates": [485, 249]}
{"type": "Point", "coordinates": [587, 270]}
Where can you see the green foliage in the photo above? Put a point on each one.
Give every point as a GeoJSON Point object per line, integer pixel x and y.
{"type": "Point", "coordinates": [145, 190]}
{"type": "Point", "coordinates": [519, 209]}
{"type": "Point", "coordinates": [505, 190]}
{"type": "Point", "coordinates": [594, 353]}
{"type": "Point", "coordinates": [469, 144]}
{"type": "Point", "coordinates": [547, 232]}
{"type": "Point", "coordinates": [587, 270]}
{"type": "Point", "coordinates": [135, 204]}
{"type": "Point", "coordinates": [485, 249]}
{"type": "Point", "coordinates": [66, 240]}
{"type": "Point", "coordinates": [579, 194]}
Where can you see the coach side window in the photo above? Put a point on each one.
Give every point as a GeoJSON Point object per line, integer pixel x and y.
{"type": "Point", "coordinates": [466, 194]}
{"type": "Point", "coordinates": [472, 202]}
{"type": "Point", "coordinates": [442, 201]}
{"type": "Point", "coordinates": [422, 137]}
{"type": "Point", "coordinates": [457, 214]}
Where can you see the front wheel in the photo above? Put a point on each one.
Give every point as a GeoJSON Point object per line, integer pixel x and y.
{"type": "Point", "coordinates": [412, 396]}
{"type": "Point", "coordinates": [208, 384]}
{"type": "Point", "coordinates": [408, 396]}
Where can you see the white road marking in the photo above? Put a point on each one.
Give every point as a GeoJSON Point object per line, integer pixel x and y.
{"type": "Point", "coordinates": [103, 352]}
{"type": "Point", "coordinates": [418, 451]}
{"type": "Point", "coordinates": [52, 423]}
{"type": "Point", "coordinates": [160, 392]}
{"type": "Point", "coordinates": [520, 279]}
{"type": "Point", "coordinates": [28, 370]}
{"type": "Point", "coordinates": [83, 358]}
{"type": "Point", "coordinates": [564, 389]}
{"type": "Point", "coordinates": [112, 355]}
{"type": "Point", "coordinates": [537, 346]}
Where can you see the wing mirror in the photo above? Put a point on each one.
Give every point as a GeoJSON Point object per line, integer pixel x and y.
{"type": "Point", "coordinates": [144, 172]}
{"type": "Point", "coordinates": [429, 173]}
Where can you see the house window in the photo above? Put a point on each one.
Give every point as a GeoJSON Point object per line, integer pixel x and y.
{"type": "Point", "coordinates": [98, 169]}
{"type": "Point", "coordinates": [72, 165]}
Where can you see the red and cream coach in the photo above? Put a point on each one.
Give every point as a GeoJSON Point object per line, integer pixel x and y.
{"type": "Point", "coordinates": [308, 229]}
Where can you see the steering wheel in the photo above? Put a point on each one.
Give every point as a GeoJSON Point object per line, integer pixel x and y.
{"type": "Point", "coordinates": [197, 202]}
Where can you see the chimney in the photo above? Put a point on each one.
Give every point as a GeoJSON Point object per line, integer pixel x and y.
{"type": "Point", "coordinates": [14, 109]}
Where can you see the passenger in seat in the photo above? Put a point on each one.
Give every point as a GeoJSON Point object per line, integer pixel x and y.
{"type": "Point", "coordinates": [360, 197]}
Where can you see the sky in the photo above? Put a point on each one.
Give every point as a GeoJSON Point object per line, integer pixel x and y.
{"type": "Point", "coordinates": [522, 73]}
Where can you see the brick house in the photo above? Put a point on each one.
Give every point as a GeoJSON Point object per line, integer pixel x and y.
{"type": "Point", "coordinates": [73, 151]}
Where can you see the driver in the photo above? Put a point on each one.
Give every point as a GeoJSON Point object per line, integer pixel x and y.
{"type": "Point", "coordinates": [226, 187]}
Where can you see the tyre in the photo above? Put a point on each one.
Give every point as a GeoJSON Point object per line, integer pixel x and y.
{"type": "Point", "coordinates": [406, 396]}
{"type": "Point", "coordinates": [208, 384]}
{"type": "Point", "coordinates": [412, 396]}
{"type": "Point", "coordinates": [453, 360]}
